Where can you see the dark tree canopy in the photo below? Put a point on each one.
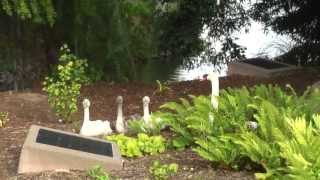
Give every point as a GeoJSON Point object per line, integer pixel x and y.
{"type": "Point", "coordinates": [298, 18]}
{"type": "Point", "coordinates": [183, 21]}
{"type": "Point", "coordinates": [39, 11]}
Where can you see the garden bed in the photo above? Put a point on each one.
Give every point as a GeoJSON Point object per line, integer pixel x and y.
{"type": "Point", "coordinates": [32, 108]}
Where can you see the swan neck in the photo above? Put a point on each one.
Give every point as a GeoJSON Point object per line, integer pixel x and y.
{"type": "Point", "coordinates": [215, 88]}
{"type": "Point", "coordinates": [146, 111]}
{"type": "Point", "coordinates": [86, 115]}
{"type": "Point", "coordinates": [120, 113]}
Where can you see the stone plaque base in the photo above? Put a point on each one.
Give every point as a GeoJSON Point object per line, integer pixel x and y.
{"type": "Point", "coordinates": [49, 149]}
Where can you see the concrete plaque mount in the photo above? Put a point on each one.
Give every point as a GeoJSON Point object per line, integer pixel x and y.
{"type": "Point", "coordinates": [49, 149]}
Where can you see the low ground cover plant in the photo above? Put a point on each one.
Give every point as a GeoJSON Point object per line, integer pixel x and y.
{"type": "Point", "coordinates": [4, 118]}
{"type": "Point", "coordinates": [139, 146]}
{"type": "Point", "coordinates": [287, 126]}
{"type": "Point", "coordinates": [162, 87]}
{"type": "Point", "coordinates": [63, 85]}
{"type": "Point", "coordinates": [97, 173]}
{"type": "Point", "coordinates": [163, 171]}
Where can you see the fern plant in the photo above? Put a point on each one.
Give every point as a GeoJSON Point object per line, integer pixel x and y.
{"type": "Point", "coordinates": [285, 146]}
{"type": "Point", "coordinates": [197, 119]}
{"type": "Point", "coordinates": [301, 151]}
{"type": "Point", "coordinates": [181, 118]}
{"type": "Point", "coordinates": [218, 149]}
{"type": "Point", "coordinates": [222, 136]}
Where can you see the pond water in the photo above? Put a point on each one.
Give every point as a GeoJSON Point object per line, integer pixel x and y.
{"type": "Point", "coordinates": [258, 43]}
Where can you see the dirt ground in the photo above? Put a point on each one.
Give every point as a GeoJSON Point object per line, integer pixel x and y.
{"type": "Point", "coordinates": [26, 108]}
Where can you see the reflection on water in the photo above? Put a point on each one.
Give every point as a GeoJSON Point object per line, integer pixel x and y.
{"type": "Point", "coordinates": [168, 71]}
{"type": "Point", "coordinates": [183, 74]}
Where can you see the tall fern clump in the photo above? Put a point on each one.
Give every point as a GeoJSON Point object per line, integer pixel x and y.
{"type": "Point", "coordinates": [301, 151]}
{"type": "Point", "coordinates": [63, 86]}
{"type": "Point", "coordinates": [285, 146]}
{"type": "Point", "coordinates": [223, 135]}
{"type": "Point", "coordinates": [196, 120]}
{"type": "Point", "coordinates": [181, 118]}
{"type": "Point", "coordinates": [230, 118]}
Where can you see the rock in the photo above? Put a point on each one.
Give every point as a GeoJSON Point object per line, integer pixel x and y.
{"type": "Point", "coordinates": [62, 170]}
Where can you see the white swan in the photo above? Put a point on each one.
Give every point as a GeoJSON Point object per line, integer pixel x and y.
{"type": "Point", "coordinates": [148, 120]}
{"type": "Point", "coordinates": [120, 125]}
{"type": "Point", "coordinates": [213, 77]}
{"type": "Point", "coordinates": [146, 113]}
{"type": "Point", "coordinates": [93, 128]}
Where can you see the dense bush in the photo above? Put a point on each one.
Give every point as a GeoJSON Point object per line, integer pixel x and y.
{"type": "Point", "coordinates": [63, 86]}
{"type": "Point", "coordinates": [283, 144]}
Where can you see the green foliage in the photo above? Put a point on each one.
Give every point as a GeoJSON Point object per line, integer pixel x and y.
{"type": "Point", "coordinates": [218, 149]}
{"type": "Point", "coordinates": [301, 152]}
{"type": "Point", "coordinates": [162, 87]}
{"type": "Point", "coordinates": [284, 143]}
{"type": "Point", "coordinates": [278, 16]}
{"type": "Point", "coordinates": [163, 171]}
{"type": "Point", "coordinates": [39, 11]}
{"type": "Point", "coordinates": [63, 87]}
{"type": "Point", "coordinates": [4, 118]}
{"type": "Point", "coordinates": [139, 126]}
{"type": "Point", "coordinates": [197, 119]}
{"type": "Point", "coordinates": [116, 35]}
{"type": "Point", "coordinates": [285, 147]}
{"type": "Point", "coordinates": [183, 21]}
{"type": "Point", "coordinates": [137, 147]}
{"type": "Point", "coordinates": [178, 123]}
{"type": "Point", "coordinates": [97, 173]}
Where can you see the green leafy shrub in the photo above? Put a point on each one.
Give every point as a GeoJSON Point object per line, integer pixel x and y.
{"type": "Point", "coordinates": [63, 86]}
{"type": "Point", "coordinates": [97, 173]}
{"type": "Point", "coordinates": [222, 135]}
{"type": "Point", "coordinates": [4, 118]}
{"type": "Point", "coordinates": [163, 171]}
{"type": "Point", "coordinates": [137, 147]}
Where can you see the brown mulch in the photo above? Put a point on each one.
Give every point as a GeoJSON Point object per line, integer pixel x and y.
{"type": "Point", "coordinates": [26, 108]}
